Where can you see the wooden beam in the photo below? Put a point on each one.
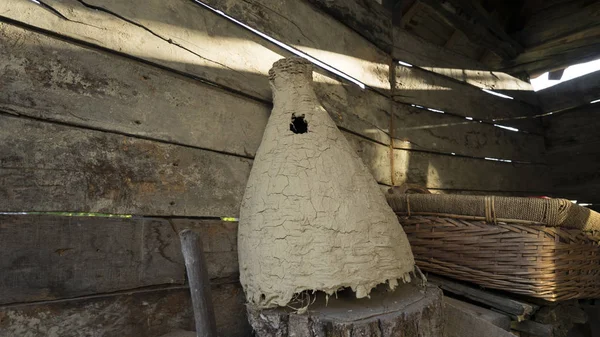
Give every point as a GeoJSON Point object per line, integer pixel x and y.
{"type": "Point", "coordinates": [367, 18]}
{"type": "Point", "coordinates": [504, 304]}
{"type": "Point", "coordinates": [478, 32]}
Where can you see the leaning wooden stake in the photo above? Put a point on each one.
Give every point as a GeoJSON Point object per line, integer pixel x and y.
{"type": "Point", "coordinates": [191, 247]}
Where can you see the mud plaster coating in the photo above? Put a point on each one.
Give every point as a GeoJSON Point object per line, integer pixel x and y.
{"type": "Point", "coordinates": [313, 217]}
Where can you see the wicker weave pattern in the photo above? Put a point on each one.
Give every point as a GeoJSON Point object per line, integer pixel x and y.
{"type": "Point", "coordinates": [552, 263]}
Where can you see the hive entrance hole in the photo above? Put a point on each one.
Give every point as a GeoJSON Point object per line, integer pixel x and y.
{"type": "Point", "coordinates": [298, 124]}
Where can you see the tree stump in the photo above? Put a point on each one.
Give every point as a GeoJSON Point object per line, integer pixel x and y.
{"type": "Point", "coordinates": [409, 311]}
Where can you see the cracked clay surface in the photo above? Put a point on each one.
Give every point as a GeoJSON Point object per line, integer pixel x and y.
{"type": "Point", "coordinates": [313, 217]}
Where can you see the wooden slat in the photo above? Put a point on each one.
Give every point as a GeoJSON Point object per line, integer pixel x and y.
{"type": "Point", "coordinates": [300, 24]}
{"type": "Point", "coordinates": [573, 143]}
{"type": "Point", "coordinates": [421, 53]}
{"type": "Point", "coordinates": [504, 304]}
{"type": "Point", "coordinates": [477, 29]}
{"type": "Point", "coordinates": [188, 37]}
{"type": "Point", "coordinates": [133, 98]}
{"type": "Point", "coordinates": [572, 128]}
{"type": "Point", "coordinates": [560, 24]}
{"type": "Point", "coordinates": [421, 129]}
{"type": "Point", "coordinates": [202, 43]}
{"type": "Point", "coordinates": [49, 167]}
{"type": "Point", "coordinates": [375, 156]}
{"type": "Point", "coordinates": [48, 257]}
{"type": "Point", "coordinates": [368, 18]}
{"type": "Point", "coordinates": [570, 94]}
{"type": "Point", "coordinates": [558, 54]}
{"type": "Point", "coordinates": [533, 328]}
{"type": "Point", "coordinates": [416, 86]}
{"type": "Point", "coordinates": [474, 311]}
{"type": "Point", "coordinates": [148, 313]}
{"type": "Point", "coordinates": [47, 78]}
{"type": "Point", "coordinates": [458, 173]}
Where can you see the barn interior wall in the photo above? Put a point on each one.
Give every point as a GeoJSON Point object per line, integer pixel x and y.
{"type": "Point", "coordinates": [147, 115]}
{"type": "Point", "coordinates": [572, 138]}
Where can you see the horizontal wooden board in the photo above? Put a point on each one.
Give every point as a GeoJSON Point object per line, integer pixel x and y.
{"type": "Point", "coordinates": [50, 167]}
{"type": "Point", "coordinates": [48, 257]}
{"type": "Point", "coordinates": [570, 94]}
{"type": "Point", "coordinates": [191, 38]}
{"type": "Point", "coordinates": [363, 112]}
{"type": "Point", "coordinates": [416, 86]}
{"type": "Point", "coordinates": [375, 156]}
{"type": "Point", "coordinates": [179, 35]}
{"type": "Point", "coordinates": [573, 127]}
{"type": "Point", "coordinates": [303, 26]}
{"type": "Point", "coordinates": [423, 54]}
{"type": "Point", "coordinates": [117, 94]}
{"type": "Point", "coordinates": [148, 313]}
{"type": "Point", "coordinates": [368, 18]}
{"type": "Point", "coordinates": [422, 129]}
{"type": "Point", "coordinates": [458, 173]}
{"type": "Point", "coordinates": [81, 86]}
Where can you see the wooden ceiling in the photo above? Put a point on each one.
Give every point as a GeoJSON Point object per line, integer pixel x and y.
{"type": "Point", "coordinates": [523, 38]}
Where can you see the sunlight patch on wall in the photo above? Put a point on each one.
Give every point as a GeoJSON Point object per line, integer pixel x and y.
{"type": "Point", "coordinates": [285, 46]}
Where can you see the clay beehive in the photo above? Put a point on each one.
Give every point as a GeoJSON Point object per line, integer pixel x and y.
{"type": "Point", "coordinates": [313, 217]}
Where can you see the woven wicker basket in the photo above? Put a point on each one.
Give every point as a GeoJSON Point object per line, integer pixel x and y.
{"type": "Point", "coordinates": [520, 256]}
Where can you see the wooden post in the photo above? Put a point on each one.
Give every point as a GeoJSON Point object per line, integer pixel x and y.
{"type": "Point", "coordinates": [204, 315]}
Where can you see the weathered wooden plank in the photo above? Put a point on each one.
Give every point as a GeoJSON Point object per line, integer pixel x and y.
{"type": "Point", "coordinates": [462, 322]}
{"type": "Point", "coordinates": [474, 311]}
{"type": "Point", "coordinates": [375, 156]}
{"type": "Point", "coordinates": [572, 128]}
{"type": "Point", "coordinates": [179, 35]}
{"type": "Point", "coordinates": [46, 257]}
{"type": "Point", "coordinates": [299, 24]}
{"type": "Point", "coordinates": [504, 304]}
{"type": "Point", "coordinates": [368, 18]}
{"type": "Point", "coordinates": [477, 29]}
{"type": "Point", "coordinates": [570, 94]}
{"type": "Point", "coordinates": [49, 257]}
{"type": "Point", "coordinates": [544, 58]}
{"type": "Point", "coordinates": [363, 112]}
{"type": "Point", "coordinates": [86, 87]}
{"type": "Point", "coordinates": [91, 171]}
{"type": "Point", "coordinates": [133, 98]}
{"type": "Point", "coordinates": [438, 171]}
{"type": "Point", "coordinates": [416, 51]}
{"type": "Point", "coordinates": [533, 328]}
{"type": "Point", "coordinates": [148, 313]}
{"type": "Point", "coordinates": [422, 129]}
{"type": "Point", "coordinates": [560, 24]}
{"type": "Point", "coordinates": [190, 39]}
{"type": "Point", "coordinates": [416, 86]}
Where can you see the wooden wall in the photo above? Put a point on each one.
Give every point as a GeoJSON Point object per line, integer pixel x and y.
{"type": "Point", "coordinates": [573, 139]}
{"type": "Point", "coordinates": [155, 109]}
